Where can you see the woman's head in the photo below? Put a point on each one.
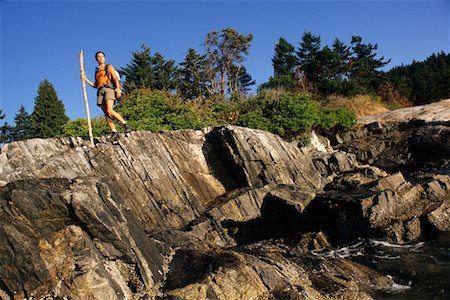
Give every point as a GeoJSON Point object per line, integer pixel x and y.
{"type": "Point", "coordinates": [99, 52]}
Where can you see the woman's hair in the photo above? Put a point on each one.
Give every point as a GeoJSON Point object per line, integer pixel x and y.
{"type": "Point", "coordinates": [98, 52]}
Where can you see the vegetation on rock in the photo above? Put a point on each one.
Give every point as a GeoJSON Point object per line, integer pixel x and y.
{"type": "Point", "coordinates": [314, 86]}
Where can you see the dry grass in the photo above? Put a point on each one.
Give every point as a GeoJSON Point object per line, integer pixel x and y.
{"type": "Point", "coordinates": [362, 105]}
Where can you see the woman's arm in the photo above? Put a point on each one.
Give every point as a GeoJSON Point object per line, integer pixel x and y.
{"type": "Point", "coordinates": [84, 77]}
{"type": "Point", "coordinates": [115, 81]}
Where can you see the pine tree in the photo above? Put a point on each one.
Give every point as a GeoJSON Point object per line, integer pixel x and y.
{"type": "Point", "coordinates": [139, 71]}
{"type": "Point", "coordinates": [423, 82]}
{"type": "Point", "coordinates": [308, 56]}
{"type": "Point", "coordinates": [192, 76]}
{"type": "Point", "coordinates": [341, 59]}
{"type": "Point", "coordinates": [22, 129]}
{"type": "Point", "coordinates": [5, 130]}
{"type": "Point", "coordinates": [6, 133]}
{"type": "Point", "coordinates": [326, 71]}
{"type": "Point", "coordinates": [164, 73]}
{"type": "Point", "coordinates": [365, 72]}
{"type": "Point", "coordinates": [285, 67]}
{"type": "Point", "coordinates": [149, 72]}
{"type": "Point", "coordinates": [284, 60]}
{"type": "Point", "coordinates": [49, 114]}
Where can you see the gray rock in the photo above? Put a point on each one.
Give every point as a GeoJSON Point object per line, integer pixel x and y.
{"type": "Point", "coordinates": [136, 219]}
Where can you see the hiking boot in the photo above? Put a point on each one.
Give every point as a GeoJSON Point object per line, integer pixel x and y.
{"type": "Point", "coordinates": [113, 137]}
{"type": "Point", "coordinates": [127, 128]}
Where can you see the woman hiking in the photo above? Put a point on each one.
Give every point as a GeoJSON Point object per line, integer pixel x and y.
{"type": "Point", "coordinates": [105, 81]}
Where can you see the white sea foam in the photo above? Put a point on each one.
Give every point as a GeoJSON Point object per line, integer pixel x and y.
{"type": "Point", "coordinates": [396, 287]}
{"type": "Point", "coordinates": [358, 249]}
{"type": "Point", "coordinates": [344, 252]}
{"type": "Point", "coordinates": [387, 244]}
{"type": "Point", "coordinates": [389, 257]}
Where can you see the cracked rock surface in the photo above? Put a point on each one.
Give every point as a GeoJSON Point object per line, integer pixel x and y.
{"type": "Point", "coordinates": [220, 213]}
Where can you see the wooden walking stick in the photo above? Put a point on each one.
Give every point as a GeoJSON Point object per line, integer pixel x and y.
{"type": "Point", "coordinates": [83, 84]}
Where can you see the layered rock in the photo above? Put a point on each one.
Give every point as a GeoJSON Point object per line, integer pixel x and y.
{"type": "Point", "coordinates": [219, 213]}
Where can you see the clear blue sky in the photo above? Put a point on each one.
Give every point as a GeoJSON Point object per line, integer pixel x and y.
{"type": "Point", "coordinates": [42, 39]}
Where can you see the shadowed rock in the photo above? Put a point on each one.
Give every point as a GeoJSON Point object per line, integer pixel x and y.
{"type": "Point", "coordinates": [220, 213]}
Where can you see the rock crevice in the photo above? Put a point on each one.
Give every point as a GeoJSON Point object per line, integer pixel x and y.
{"type": "Point", "coordinates": [225, 212]}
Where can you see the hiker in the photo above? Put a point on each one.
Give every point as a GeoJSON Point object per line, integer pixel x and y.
{"type": "Point", "coordinates": [105, 81]}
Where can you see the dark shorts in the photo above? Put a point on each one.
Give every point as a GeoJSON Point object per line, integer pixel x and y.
{"type": "Point", "coordinates": [105, 93]}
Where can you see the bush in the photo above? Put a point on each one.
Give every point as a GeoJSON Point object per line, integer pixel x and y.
{"type": "Point", "coordinates": [225, 112]}
{"type": "Point", "coordinates": [335, 119]}
{"type": "Point", "coordinates": [79, 127]}
{"type": "Point", "coordinates": [287, 114]}
{"type": "Point", "coordinates": [159, 110]}
{"type": "Point", "coordinates": [292, 115]}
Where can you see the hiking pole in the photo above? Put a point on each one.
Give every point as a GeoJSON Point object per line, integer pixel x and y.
{"type": "Point", "coordinates": [83, 84]}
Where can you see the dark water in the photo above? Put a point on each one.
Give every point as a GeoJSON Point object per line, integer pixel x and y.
{"type": "Point", "coordinates": [420, 270]}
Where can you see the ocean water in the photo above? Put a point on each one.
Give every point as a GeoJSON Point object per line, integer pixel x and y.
{"type": "Point", "coordinates": [420, 270]}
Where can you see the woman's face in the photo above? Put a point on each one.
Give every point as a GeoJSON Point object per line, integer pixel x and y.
{"type": "Point", "coordinates": [100, 58]}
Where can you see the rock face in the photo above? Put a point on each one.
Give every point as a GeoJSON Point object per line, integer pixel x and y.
{"type": "Point", "coordinates": [219, 213]}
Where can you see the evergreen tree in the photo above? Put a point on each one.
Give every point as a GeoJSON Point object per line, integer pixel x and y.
{"type": "Point", "coordinates": [430, 79]}
{"type": "Point", "coordinates": [284, 60]}
{"type": "Point", "coordinates": [164, 73]}
{"type": "Point", "coordinates": [308, 56]}
{"type": "Point", "coordinates": [325, 68]}
{"type": "Point", "coordinates": [341, 60]}
{"type": "Point", "coordinates": [224, 49]}
{"type": "Point", "coordinates": [364, 73]}
{"type": "Point", "coordinates": [49, 114]}
{"type": "Point", "coordinates": [192, 76]}
{"type": "Point", "coordinates": [22, 129]}
{"type": "Point", "coordinates": [442, 68]}
{"type": "Point", "coordinates": [5, 130]}
{"type": "Point", "coordinates": [139, 71]}
{"type": "Point", "coordinates": [285, 66]}
{"type": "Point", "coordinates": [327, 74]}
{"type": "Point", "coordinates": [151, 72]}
{"type": "Point", "coordinates": [422, 82]}
{"type": "Point", "coordinates": [6, 133]}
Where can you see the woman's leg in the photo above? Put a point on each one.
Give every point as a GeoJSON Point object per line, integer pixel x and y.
{"type": "Point", "coordinates": [112, 113]}
{"type": "Point", "coordinates": [108, 118]}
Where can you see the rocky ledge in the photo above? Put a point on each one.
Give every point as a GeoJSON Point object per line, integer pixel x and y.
{"type": "Point", "coordinates": [220, 213]}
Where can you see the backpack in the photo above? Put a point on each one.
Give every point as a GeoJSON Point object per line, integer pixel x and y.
{"type": "Point", "coordinates": [117, 74]}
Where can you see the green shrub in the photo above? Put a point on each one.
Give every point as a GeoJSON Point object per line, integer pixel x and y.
{"type": "Point", "coordinates": [146, 105]}
{"type": "Point", "coordinates": [79, 127]}
{"type": "Point", "coordinates": [225, 112]}
{"type": "Point", "coordinates": [286, 114]}
{"type": "Point", "coordinates": [159, 110]}
{"type": "Point", "coordinates": [332, 119]}
{"type": "Point", "coordinates": [256, 119]}
{"type": "Point", "coordinates": [291, 115]}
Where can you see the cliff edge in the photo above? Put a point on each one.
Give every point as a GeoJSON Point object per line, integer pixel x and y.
{"type": "Point", "coordinates": [220, 213]}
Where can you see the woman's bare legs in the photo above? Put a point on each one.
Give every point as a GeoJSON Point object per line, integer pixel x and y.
{"type": "Point", "coordinates": [111, 113]}
{"type": "Point", "coordinates": [108, 118]}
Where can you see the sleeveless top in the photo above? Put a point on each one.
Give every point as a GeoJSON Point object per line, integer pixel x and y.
{"type": "Point", "coordinates": [101, 79]}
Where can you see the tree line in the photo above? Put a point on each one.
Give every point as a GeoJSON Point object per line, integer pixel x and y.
{"type": "Point", "coordinates": [218, 74]}
{"type": "Point", "coordinates": [47, 120]}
